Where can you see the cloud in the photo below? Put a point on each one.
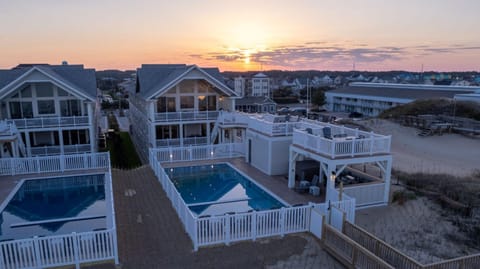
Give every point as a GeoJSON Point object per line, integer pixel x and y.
{"type": "Point", "coordinates": [316, 53]}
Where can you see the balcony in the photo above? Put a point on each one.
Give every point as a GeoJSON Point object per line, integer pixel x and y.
{"type": "Point", "coordinates": [49, 122]}
{"type": "Point", "coordinates": [175, 142]}
{"type": "Point", "coordinates": [55, 150]}
{"type": "Point", "coordinates": [347, 143]}
{"type": "Point", "coordinates": [271, 125]}
{"type": "Point", "coordinates": [186, 116]}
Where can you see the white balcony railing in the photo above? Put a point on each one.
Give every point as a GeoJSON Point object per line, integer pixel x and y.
{"type": "Point", "coordinates": [53, 150]}
{"type": "Point", "coordinates": [175, 142]}
{"type": "Point", "coordinates": [345, 146]}
{"type": "Point", "coordinates": [259, 123]}
{"type": "Point", "coordinates": [186, 116]}
{"type": "Point", "coordinates": [48, 122]}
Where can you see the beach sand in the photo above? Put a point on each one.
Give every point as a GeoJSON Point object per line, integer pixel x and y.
{"type": "Point", "coordinates": [420, 228]}
{"type": "Point", "coordinates": [448, 153]}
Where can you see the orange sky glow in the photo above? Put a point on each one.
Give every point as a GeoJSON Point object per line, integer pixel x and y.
{"type": "Point", "coordinates": [251, 35]}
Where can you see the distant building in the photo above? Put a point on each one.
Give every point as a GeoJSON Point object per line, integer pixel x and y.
{"type": "Point", "coordinates": [240, 86]}
{"type": "Point", "coordinates": [371, 99]}
{"type": "Point", "coordinates": [256, 104]}
{"type": "Point", "coordinates": [260, 85]}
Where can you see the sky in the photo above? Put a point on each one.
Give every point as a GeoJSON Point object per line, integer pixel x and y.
{"type": "Point", "coordinates": [373, 35]}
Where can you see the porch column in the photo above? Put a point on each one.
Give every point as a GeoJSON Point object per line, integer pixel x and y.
{"type": "Point", "coordinates": [28, 151]}
{"type": "Point", "coordinates": [14, 145]}
{"type": "Point", "coordinates": [387, 179]}
{"type": "Point", "coordinates": [181, 134]}
{"type": "Point", "coordinates": [152, 135]}
{"type": "Point", "coordinates": [291, 168]}
{"type": "Point", "coordinates": [330, 169]}
{"type": "Point", "coordinates": [207, 126]}
{"type": "Point", "coordinates": [60, 140]}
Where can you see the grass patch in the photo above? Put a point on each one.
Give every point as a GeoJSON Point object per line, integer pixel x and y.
{"type": "Point", "coordinates": [122, 151]}
{"type": "Point", "coordinates": [447, 107]}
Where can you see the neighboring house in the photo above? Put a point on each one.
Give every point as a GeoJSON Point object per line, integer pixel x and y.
{"type": "Point", "coordinates": [176, 105]}
{"type": "Point", "coordinates": [371, 99]}
{"type": "Point", "coordinates": [53, 108]}
{"type": "Point", "coordinates": [260, 85]}
{"type": "Point", "coordinates": [256, 104]}
{"type": "Point", "coordinates": [240, 86]}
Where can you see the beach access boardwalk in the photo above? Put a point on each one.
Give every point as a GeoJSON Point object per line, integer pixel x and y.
{"type": "Point", "coordinates": [150, 235]}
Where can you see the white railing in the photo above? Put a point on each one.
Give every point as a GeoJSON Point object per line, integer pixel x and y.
{"type": "Point", "coordinates": [252, 225]}
{"type": "Point", "coordinates": [258, 123]}
{"type": "Point", "coordinates": [186, 141]}
{"type": "Point", "coordinates": [48, 122]}
{"type": "Point", "coordinates": [67, 249]}
{"type": "Point", "coordinates": [342, 146]}
{"type": "Point", "coordinates": [367, 194]}
{"type": "Point", "coordinates": [53, 150]}
{"type": "Point", "coordinates": [195, 153]}
{"type": "Point", "coordinates": [228, 228]}
{"type": "Point", "coordinates": [59, 163]}
{"type": "Point", "coordinates": [58, 250]}
{"type": "Point", "coordinates": [183, 212]}
{"type": "Point", "coordinates": [347, 204]}
{"type": "Point", "coordinates": [7, 128]}
{"type": "Point", "coordinates": [186, 116]}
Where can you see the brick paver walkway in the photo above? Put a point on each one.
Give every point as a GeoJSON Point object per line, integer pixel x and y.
{"type": "Point", "coordinates": [150, 235]}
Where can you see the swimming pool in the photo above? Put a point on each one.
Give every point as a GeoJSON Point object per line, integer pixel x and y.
{"type": "Point", "coordinates": [59, 205]}
{"type": "Point", "coordinates": [218, 189]}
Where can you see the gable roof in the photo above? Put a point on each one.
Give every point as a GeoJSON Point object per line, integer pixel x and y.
{"type": "Point", "coordinates": [74, 77]}
{"type": "Point", "coordinates": [153, 79]}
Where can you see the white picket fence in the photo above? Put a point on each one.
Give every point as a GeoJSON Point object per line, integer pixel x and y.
{"type": "Point", "coordinates": [368, 194]}
{"type": "Point", "coordinates": [347, 204]}
{"type": "Point", "coordinates": [60, 250]}
{"type": "Point", "coordinates": [229, 228]}
{"type": "Point", "coordinates": [58, 163]}
{"type": "Point", "coordinates": [67, 249]}
{"type": "Point", "coordinates": [196, 153]}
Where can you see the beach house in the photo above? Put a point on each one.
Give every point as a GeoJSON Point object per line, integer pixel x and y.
{"type": "Point", "coordinates": [176, 105]}
{"type": "Point", "coordinates": [47, 110]}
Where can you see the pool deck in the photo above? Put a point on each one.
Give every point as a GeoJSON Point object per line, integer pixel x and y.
{"type": "Point", "coordinates": [275, 184]}
{"type": "Point", "coordinates": [150, 235]}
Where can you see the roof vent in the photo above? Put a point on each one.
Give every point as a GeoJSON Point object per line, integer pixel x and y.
{"type": "Point", "coordinates": [64, 63]}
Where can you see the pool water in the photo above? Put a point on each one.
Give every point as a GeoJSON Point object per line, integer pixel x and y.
{"type": "Point", "coordinates": [55, 206]}
{"type": "Point", "coordinates": [218, 189]}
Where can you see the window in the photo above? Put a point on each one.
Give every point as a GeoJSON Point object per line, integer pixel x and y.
{"type": "Point", "coordinates": [62, 92]}
{"type": "Point", "coordinates": [44, 89]}
{"type": "Point", "coordinates": [166, 104]}
{"type": "Point", "coordinates": [70, 108]}
{"type": "Point", "coordinates": [212, 102]}
{"type": "Point", "coordinates": [46, 107]}
{"type": "Point", "coordinates": [19, 110]}
{"type": "Point", "coordinates": [49, 138]}
{"type": "Point", "coordinates": [186, 102]}
{"type": "Point", "coordinates": [202, 103]}
{"type": "Point", "coordinates": [26, 92]}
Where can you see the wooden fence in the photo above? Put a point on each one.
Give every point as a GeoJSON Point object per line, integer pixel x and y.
{"type": "Point", "coordinates": [399, 260]}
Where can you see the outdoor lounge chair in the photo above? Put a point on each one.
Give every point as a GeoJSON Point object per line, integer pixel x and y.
{"type": "Point", "coordinates": [305, 184]}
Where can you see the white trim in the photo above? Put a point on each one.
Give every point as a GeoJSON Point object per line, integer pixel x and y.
{"type": "Point", "coordinates": [179, 78]}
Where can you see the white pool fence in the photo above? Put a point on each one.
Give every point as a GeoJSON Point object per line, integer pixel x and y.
{"type": "Point", "coordinates": [67, 249]}
{"type": "Point", "coordinates": [232, 227]}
